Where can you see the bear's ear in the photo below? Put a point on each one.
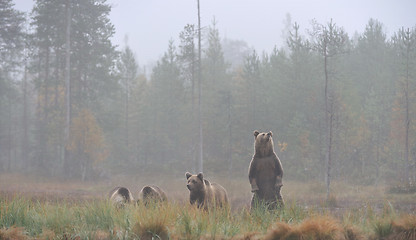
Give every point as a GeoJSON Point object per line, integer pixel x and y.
{"type": "Point", "coordinates": [188, 175]}
{"type": "Point", "coordinates": [201, 176]}
{"type": "Point", "coordinates": [256, 133]}
{"type": "Point", "coordinates": [270, 134]}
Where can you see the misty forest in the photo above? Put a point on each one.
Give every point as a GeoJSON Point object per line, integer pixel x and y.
{"type": "Point", "coordinates": [80, 115]}
{"type": "Point", "coordinates": [74, 105]}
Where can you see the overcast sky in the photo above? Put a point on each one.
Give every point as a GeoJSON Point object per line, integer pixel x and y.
{"type": "Point", "coordinates": [150, 24]}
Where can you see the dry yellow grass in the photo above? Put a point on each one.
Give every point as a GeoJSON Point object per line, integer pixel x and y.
{"type": "Point", "coordinates": [13, 233]}
{"type": "Point", "coordinates": [314, 228]}
{"type": "Point", "coordinates": [404, 228]}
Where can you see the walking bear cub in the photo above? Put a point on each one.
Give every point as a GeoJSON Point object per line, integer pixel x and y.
{"type": "Point", "coordinates": [265, 172]}
{"type": "Point", "coordinates": [205, 194]}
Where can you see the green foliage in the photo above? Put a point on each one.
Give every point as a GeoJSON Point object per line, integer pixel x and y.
{"type": "Point", "coordinates": [382, 229]}
{"type": "Point", "coordinates": [12, 41]}
{"type": "Point", "coordinates": [11, 38]}
{"type": "Point", "coordinates": [191, 226]}
{"type": "Point", "coordinates": [92, 62]}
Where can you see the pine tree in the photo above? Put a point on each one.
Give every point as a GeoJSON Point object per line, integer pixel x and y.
{"type": "Point", "coordinates": [166, 98]}
{"type": "Point", "coordinates": [217, 99]}
{"type": "Point", "coordinates": [372, 64]}
{"type": "Point", "coordinates": [127, 73]}
{"type": "Point", "coordinates": [251, 74]}
{"type": "Point", "coordinates": [404, 42]}
{"type": "Point", "coordinates": [92, 65]}
{"type": "Point", "coordinates": [188, 64]}
{"type": "Point", "coordinates": [12, 38]}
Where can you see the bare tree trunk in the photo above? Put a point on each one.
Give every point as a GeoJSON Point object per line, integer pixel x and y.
{"type": "Point", "coordinates": [25, 120]}
{"type": "Point", "coordinates": [378, 139]}
{"type": "Point", "coordinates": [230, 132]}
{"type": "Point", "coordinates": [201, 162]}
{"type": "Point", "coordinates": [329, 163]}
{"type": "Point", "coordinates": [84, 166]}
{"type": "Point", "coordinates": [9, 144]}
{"type": "Point", "coordinates": [407, 126]}
{"type": "Point", "coordinates": [68, 84]}
{"type": "Point", "coordinates": [44, 118]}
{"type": "Point", "coordinates": [39, 138]}
{"type": "Point", "coordinates": [127, 119]}
{"type": "Point", "coordinates": [328, 129]}
{"type": "Point", "coordinates": [414, 163]}
{"type": "Point", "coordinates": [407, 117]}
{"type": "Point", "coordinates": [194, 124]}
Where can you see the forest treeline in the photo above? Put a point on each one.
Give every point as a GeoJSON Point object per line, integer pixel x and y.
{"type": "Point", "coordinates": [73, 104]}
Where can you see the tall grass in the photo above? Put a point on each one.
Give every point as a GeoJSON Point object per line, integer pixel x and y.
{"type": "Point", "coordinates": [22, 218]}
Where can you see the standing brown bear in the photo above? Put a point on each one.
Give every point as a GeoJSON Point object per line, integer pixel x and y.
{"type": "Point", "coordinates": [204, 193]}
{"type": "Point", "coordinates": [265, 172]}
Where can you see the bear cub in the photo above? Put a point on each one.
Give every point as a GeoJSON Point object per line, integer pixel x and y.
{"type": "Point", "coordinates": [205, 194]}
{"type": "Point", "coordinates": [265, 172]}
{"type": "Point", "coordinates": [151, 193]}
{"type": "Point", "coordinates": [119, 196]}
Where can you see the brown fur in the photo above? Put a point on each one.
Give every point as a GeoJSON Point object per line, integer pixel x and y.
{"type": "Point", "coordinates": [265, 172]}
{"type": "Point", "coordinates": [119, 196]}
{"type": "Point", "coordinates": [151, 194]}
{"type": "Point", "coordinates": [205, 194]}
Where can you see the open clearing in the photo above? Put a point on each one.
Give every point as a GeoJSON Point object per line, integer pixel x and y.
{"type": "Point", "coordinates": [46, 208]}
{"type": "Point", "coordinates": [310, 194]}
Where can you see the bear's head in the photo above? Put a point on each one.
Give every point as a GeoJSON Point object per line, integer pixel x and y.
{"type": "Point", "coordinates": [195, 182]}
{"type": "Point", "coordinates": [263, 144]}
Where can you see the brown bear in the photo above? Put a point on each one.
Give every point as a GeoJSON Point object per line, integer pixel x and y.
{"type": "Point", "coordinates": [205, 194]}
{"type": "Point", "coordinates": [151, 194]}
{"type": "Point", "coordinates": [265, 172]}
{"type": "Point", "coordinates": [119, 196]}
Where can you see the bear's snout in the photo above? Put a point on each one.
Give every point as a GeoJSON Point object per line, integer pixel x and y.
{"type": "Point", "coordinates": [188, 186]}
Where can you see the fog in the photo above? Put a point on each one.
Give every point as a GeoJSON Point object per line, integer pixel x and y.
{"type": "Point", "coordinates": [262, 24]}
{"type": "Point", "coordinates": [149, 25]}
{"type": "Point", "coordinates": [127, 100]}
